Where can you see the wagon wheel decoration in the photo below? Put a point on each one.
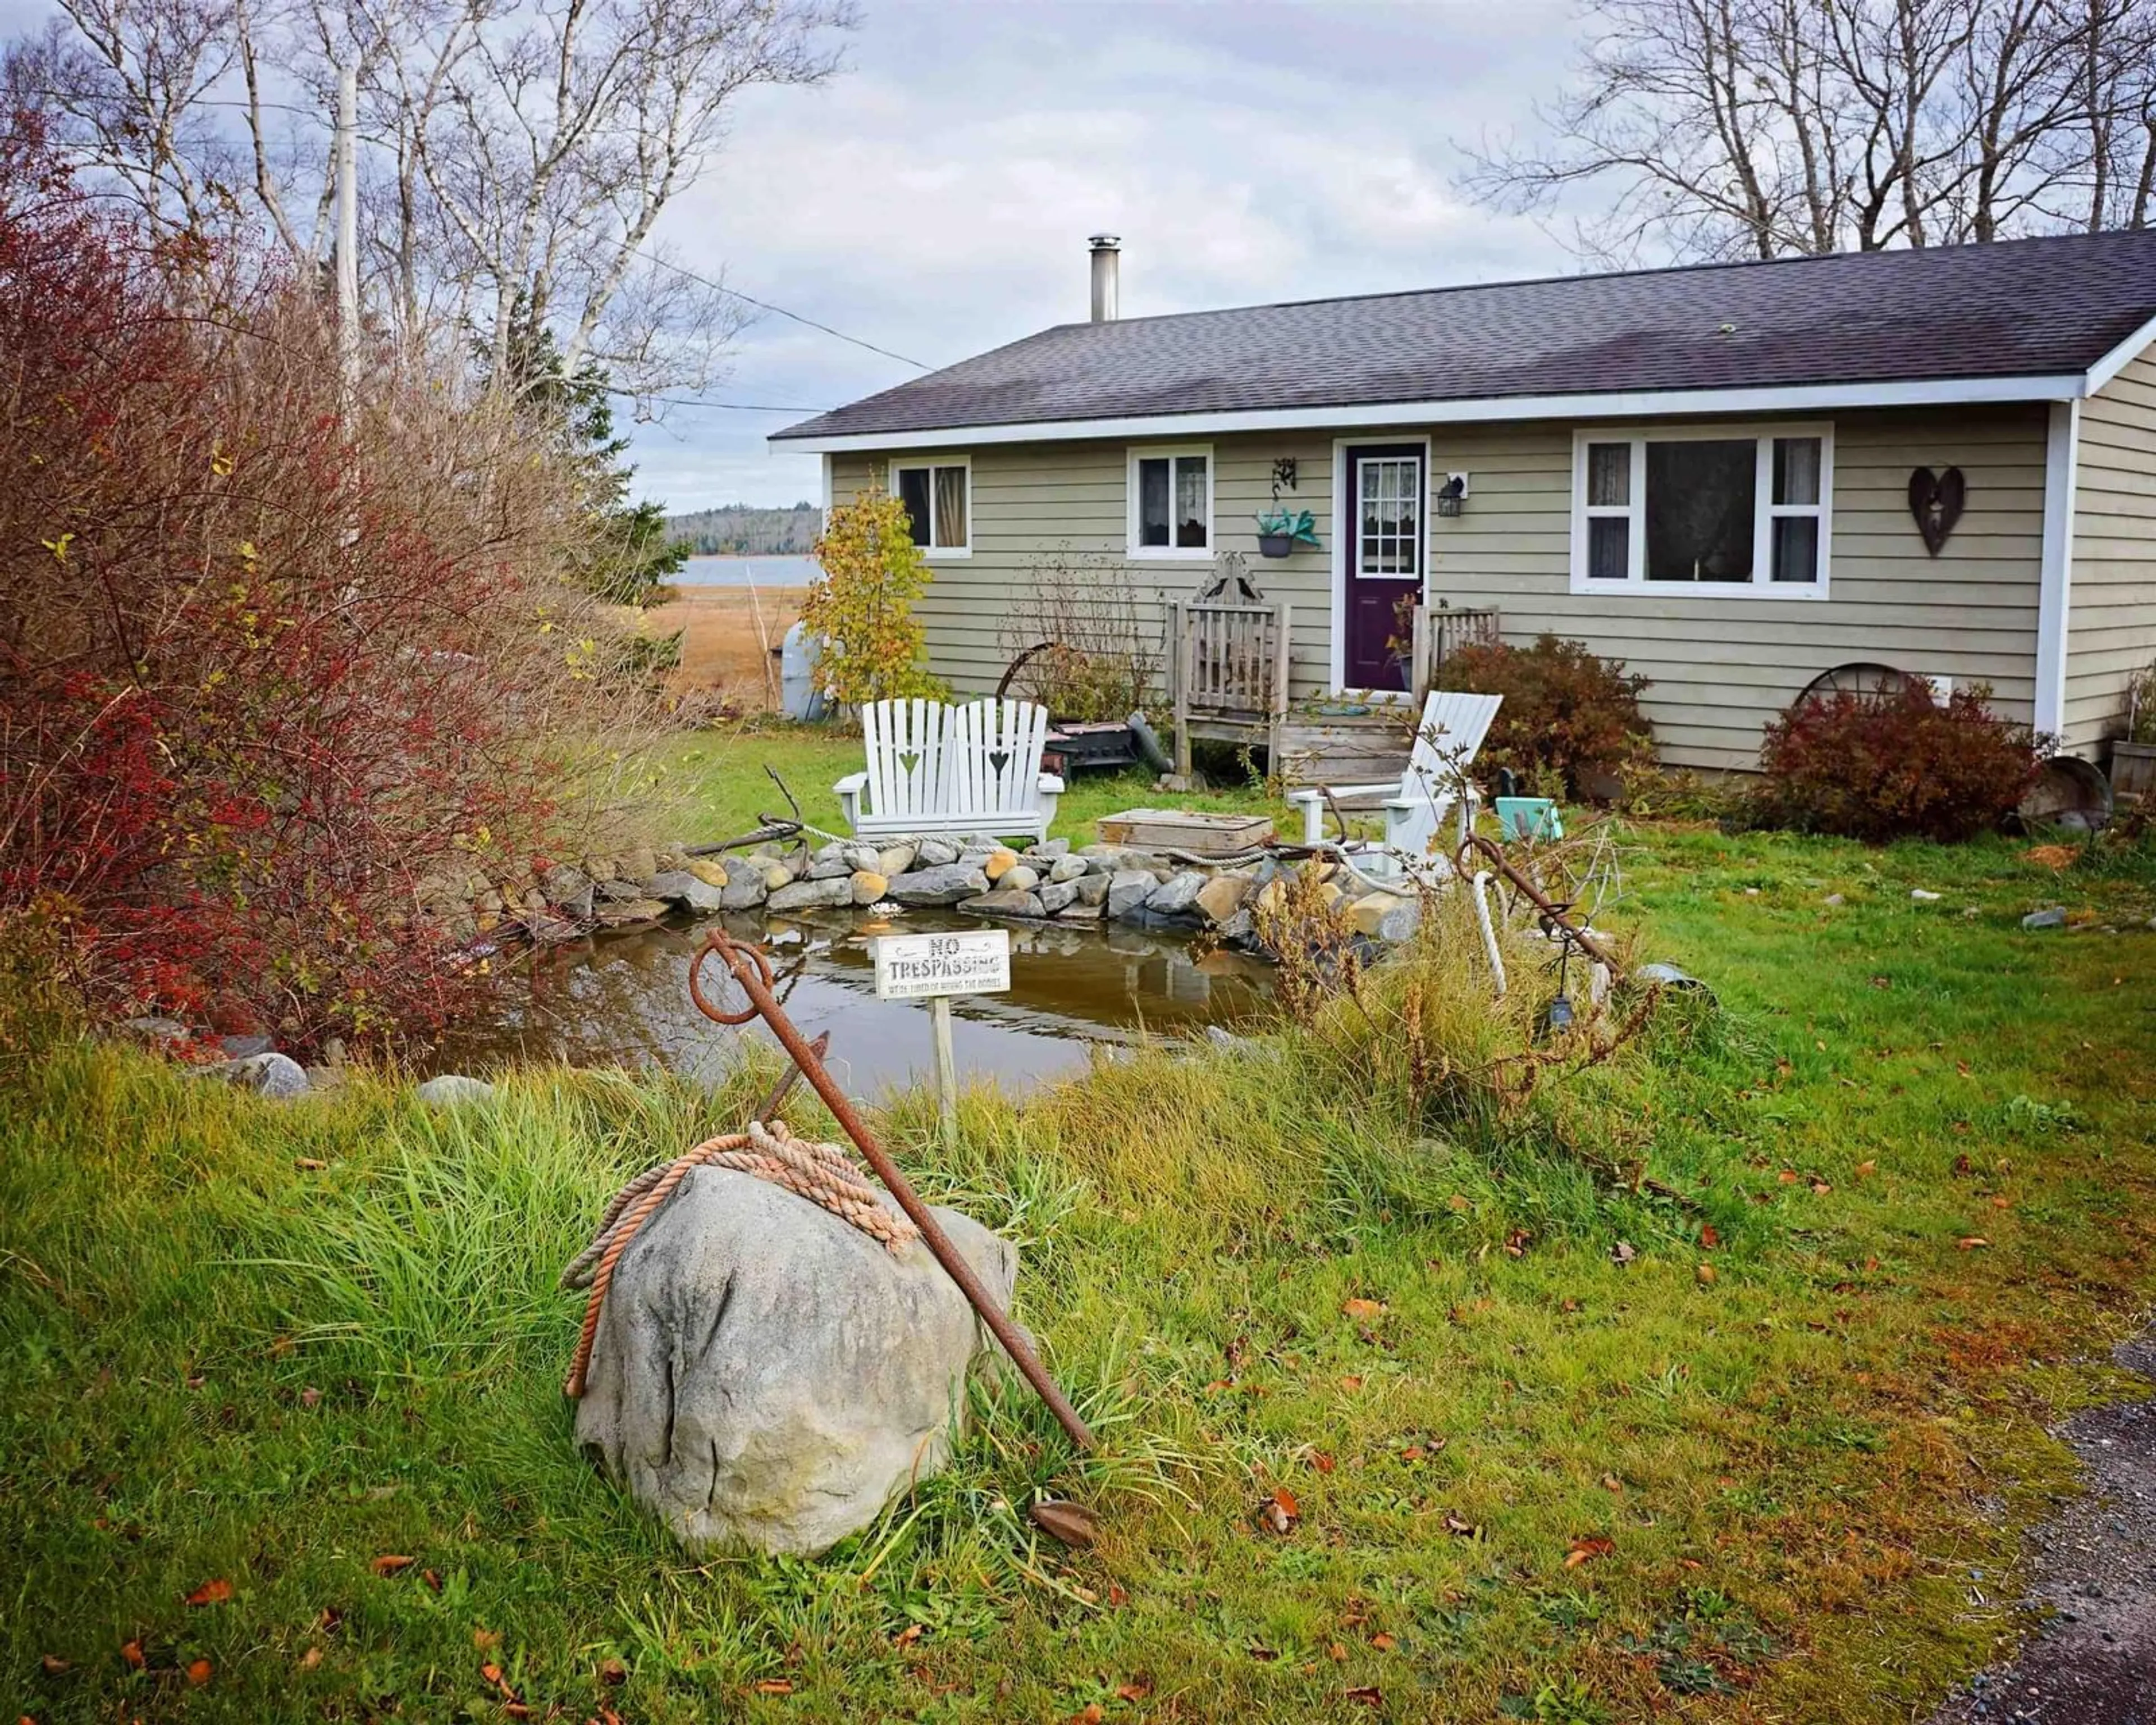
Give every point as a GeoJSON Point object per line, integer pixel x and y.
{"type": "Point", "coordinates": [1862, 678]}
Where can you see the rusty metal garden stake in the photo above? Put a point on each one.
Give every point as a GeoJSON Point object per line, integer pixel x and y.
{"type": "Point", "coordinates": [749, 968]}
{"type": "Point", "coordinates": [1555, 913]}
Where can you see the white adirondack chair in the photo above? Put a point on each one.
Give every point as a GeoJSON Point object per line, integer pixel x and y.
{"type": "Point", "coordinates": [933, 768]}
{"type": "Point", "coordinates": [1436, 781]}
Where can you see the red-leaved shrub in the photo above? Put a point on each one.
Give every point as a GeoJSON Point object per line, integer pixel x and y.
{"type": "Point", "coordinates": [270, 661]}
{"type": "Point", "coordinates": [1896, 764]}
{"type": "Point", "coordinates": [1567, 714]}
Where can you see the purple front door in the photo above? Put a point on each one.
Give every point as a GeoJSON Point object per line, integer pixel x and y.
{"type": "Point", "coordinates": [1384, 537]}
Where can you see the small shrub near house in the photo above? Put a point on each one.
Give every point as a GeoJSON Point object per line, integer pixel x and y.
{"type": "Point", "coordinates": [1900, 764]}
{"type": "Point", "coordinates": [1087, 646]}
{"type": "Point", "coordinates": [1567, 715]}
{"type": "Point", "coordinates": [862, 604]}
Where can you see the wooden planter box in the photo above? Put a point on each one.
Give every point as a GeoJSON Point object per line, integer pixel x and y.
{"type": "Point", "coordinates": [2133, 768]}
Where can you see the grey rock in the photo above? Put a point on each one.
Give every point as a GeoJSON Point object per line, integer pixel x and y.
{"type": "Point", "coordinates": [1079, 911]}
{"type": "Point", "coordinates": [2054, 917]}
{"type": "Point", "coordinates": [274, 1076]}
{"type": "Point", "coordinates": [1128, 888]}
{"type": "Point", "coordinates": [1056, 896]}
{"type": "Point", "coordinates": [153, 1028]}
{"type": "Point", "coordinates": [683, 888]}
{"type": "Point", "coordinates": [895, 859]}
{"type": "Point", "coordinates": [1050, 849]}
{"type": "Point", "coordinates": [452, 1090]}
{"type": "Point", "coordinates": [561, 883]}
{"type": "Point", "coordinates": [616, 892]}
{"type": "Point", "coordinates": [634, 914]}
{"type": "Point", "coordinates": [828, 868]}
{"type": "Point", "coordinates": [1240, 929]}
{"type": "Point", "coordinates": [943, 884]}
{"type": "Point", "coordinates": [1004, 902]}
{"type": "Point", "coordinates": [860, 856]}
{"type": "Point", "coordinates": [935, 853]}
{"type": "Point", "coordinates": [816, 893]}
{"type": "Point", "coordinates": [576, 905]}
{"type": "Point", "coordinates": [1092, 889]}
{"type": "Point", "coordinates": [746, 889]}
{"type": "Point", "coordinates": [240, 1048]}
{"type": "Point", "coordinates": [1067, 868]}
{"type": "Point", "coordinates": [1176, 895]}
{"type": "Point", "coordinates": [1018, 878]}
{"type": "Point", "coordinates": [332, 1051]}
{"type": "Point", "coordinates": [766, 1376]}
{"type": "Point", "coordinates": [1834, 898]}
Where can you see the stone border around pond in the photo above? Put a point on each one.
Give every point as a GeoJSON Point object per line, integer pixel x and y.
{"type": "Point", "coordinates": [1048, 883]}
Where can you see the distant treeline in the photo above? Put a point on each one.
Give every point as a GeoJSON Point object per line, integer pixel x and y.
{"type": "Point", "coordinates": [736, 529]}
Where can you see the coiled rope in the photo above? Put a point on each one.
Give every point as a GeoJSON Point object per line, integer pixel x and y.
{"type": "Point", "coordinates": [825, 1174]}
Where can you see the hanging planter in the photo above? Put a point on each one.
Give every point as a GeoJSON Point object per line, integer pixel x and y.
{"type": "Point", "coordinates": [1279, 530]}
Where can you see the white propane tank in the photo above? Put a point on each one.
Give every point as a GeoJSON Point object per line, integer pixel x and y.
{"type": "Point", "coordinates": [799, 696]}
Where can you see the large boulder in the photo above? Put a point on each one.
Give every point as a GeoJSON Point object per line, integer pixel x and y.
{"type": "Point", "coordinates": [815, 893]}
{"type": "Point", "coordinates": [681, 887]}
{"type": "Point", "coordinates": [766, 1376]}
{"type": "Point", "coordinates": [940, 884]}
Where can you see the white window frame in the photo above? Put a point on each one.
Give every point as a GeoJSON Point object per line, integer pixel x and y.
{"type": "Point", "coordinates": [1168, 553]}
{"type": "Point", "coordinates": [1766, 511]}
{"type": "Point", "coordinates": [933, 553]}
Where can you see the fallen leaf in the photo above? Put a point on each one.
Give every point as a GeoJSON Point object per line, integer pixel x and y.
{"type": "Point", "coordinates": [1384, 1643]}
{"type": "Point", "coordinates": [774, 1685]}
{"type": "Point", "coordinates": [1459, 1524]}
{"type": "Point", "coordinates": [1280, 1513]}
{"type": "Point", "coordinates": [311, 1658]}
{"type": "Point", "coordinates": [1622, 1252]}
{"type": "Point", "coordinates": [1368, 1694]}
{"type": "Point", "coordinates": [1263, 1654]}
{"type": "Point", "coordinates": [389, 1564]}
{"type": "Point", "coordinates": [1090, 1714]}
{"type": "Point", "coordinates": [1364, 1308]}
{"type": "Point", "coordinates": [310, 1396]}
{"type": "Point", "coordinates": [908, 1635]}
{"type": "Point", "coordinates": [1336, 1651]}
{"type": "Point", "coordinates": [1788, 1176]}
{"type": "Point", "coordinates": [1820, 1188]}
{"type": "Point", "coordinates": [1064, 1521]}
{"type": "Point", "coordinates": [1708, 1235]}
{"type": "Point", "coordinates": [1138, 1689]}
{"type": "Point", "coordinates": [484, 1638]}
{"type": "Point", "coordinates": [211, 1593]}
{"type": "Point", "coordinates": [308, 1164]}
{"type": "Point", "coordinates": [1458, 1204]}
{"type": "Point", "coordinates": [1969, 1243]}
{"type": "Point", "coordinates": [56, 1666]}
{"type": "Point", "coordinates": [1610, 1482]}
{"type": "Point", "coordinates": [1583, 1549]}
{"type": "Point", "coordinates": [1865, 1169]}
{"type": "Point", "coordinates": [1704, 1272]}
{"type": "Point", "coordinates": [1351, 1382]}
{"type": "Point", "coordinates": [1322, 1460]}
{"type": "Point", "coordinates": [198, 1672]}
{"type": "Point", "coordinates": [516, 1710]}
{"type": "Point", "coordinates": [2000, 1204]}
{"type": "Point", "coordinates": [433, 1578]}
{"type": "Point", "coordinates": [131, 1651]}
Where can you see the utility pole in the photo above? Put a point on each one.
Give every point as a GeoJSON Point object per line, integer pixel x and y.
{"type": "Point", "coordinates": [347, 226]}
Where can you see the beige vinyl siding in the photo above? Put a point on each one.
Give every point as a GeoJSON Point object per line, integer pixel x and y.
{"type": "Point", "coordinates": [2111, 620]}
{"type": "Point", "coordinates": [1036, 501]}
{"type": "Point", "coordinates": [1721, 667]}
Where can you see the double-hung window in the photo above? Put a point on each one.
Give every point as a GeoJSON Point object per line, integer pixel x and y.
{"type": "Point", "coordinates": [938, 496]}
{"type": "Point", "coordinates": [1171, 502]}
{"type": "Point", "coordinates": [1725, 512]}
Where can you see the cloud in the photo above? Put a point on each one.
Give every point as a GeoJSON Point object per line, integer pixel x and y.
{"type": "Point", "coordinates": [935, 198]}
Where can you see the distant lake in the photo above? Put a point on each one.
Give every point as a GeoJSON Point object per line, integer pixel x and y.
{"type": "Point", "coordinates": [745, 571]}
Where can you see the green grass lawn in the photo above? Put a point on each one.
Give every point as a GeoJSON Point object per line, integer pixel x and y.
{"type": "Point", "coordinates": [266, 1345]}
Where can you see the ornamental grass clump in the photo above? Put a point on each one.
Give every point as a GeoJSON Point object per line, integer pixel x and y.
{"type": "Point", "coordinates": [273, 657]}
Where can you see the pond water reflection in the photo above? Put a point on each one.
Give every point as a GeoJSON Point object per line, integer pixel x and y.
{"type": "Point", "coordinates": [623, 1000]}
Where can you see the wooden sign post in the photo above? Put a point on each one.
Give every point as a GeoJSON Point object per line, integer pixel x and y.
{"type": "Point", "coordinates": [933, 967]}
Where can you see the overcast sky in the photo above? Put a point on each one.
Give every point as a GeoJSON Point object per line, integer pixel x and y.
{"type": "Point", "coordinates": [936, 197]}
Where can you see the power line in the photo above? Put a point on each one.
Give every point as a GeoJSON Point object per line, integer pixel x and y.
{"type": "Point", "coordinates": [731, 406]}
{"type": "Point", "coordinates": [767, 305]}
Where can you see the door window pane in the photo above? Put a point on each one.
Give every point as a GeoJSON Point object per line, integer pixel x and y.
{"type": "Point", "coordinates": [1796, 547]}
{"type": "Point", "coordinates": [1609, 475]}
{"type": "Point", "coordinates": [950, 507]}
{"type": "Point", "coordinates": [1190, 522]}
{"type": "Point", "coordinates": [1608, 547]}
{"type": "Point", "coordinates": [913, 493]}
{"type": "Point", "coordinates": [1389, 490]}
{"type": "Point", "coordinates": [1153, 502]}
{"type": "Point", "coordinates": [1701, 495]}
{"type": "Point", "coordinates": [1796, 470]}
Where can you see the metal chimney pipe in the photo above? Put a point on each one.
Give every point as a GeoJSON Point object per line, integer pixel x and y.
{"type": "Point", "coordinates": [1107, 251]}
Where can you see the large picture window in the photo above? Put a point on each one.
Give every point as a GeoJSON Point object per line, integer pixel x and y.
{"type": "Point", "coordinates": [938, 496]}
{"type": "Point", "coordinates": [1709, 511]}
{"type": "Point", "coordinates": [1171, 493]}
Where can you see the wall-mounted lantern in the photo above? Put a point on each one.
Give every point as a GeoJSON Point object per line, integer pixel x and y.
{"type": "Point", "coordinates": [1452, 494]}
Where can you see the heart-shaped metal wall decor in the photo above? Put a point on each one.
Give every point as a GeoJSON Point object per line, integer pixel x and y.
{"type": "Point", "coordinates": [1936, 500]}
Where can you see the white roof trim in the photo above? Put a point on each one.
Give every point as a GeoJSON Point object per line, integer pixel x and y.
{"type": "Point", "coordinates": [2121, 356]}
{"type": "Point", "coordinates": [1788, 400]}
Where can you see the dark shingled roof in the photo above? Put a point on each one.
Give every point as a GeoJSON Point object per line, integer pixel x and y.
{"type": "Point", "coordinates": [2019, 308]}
